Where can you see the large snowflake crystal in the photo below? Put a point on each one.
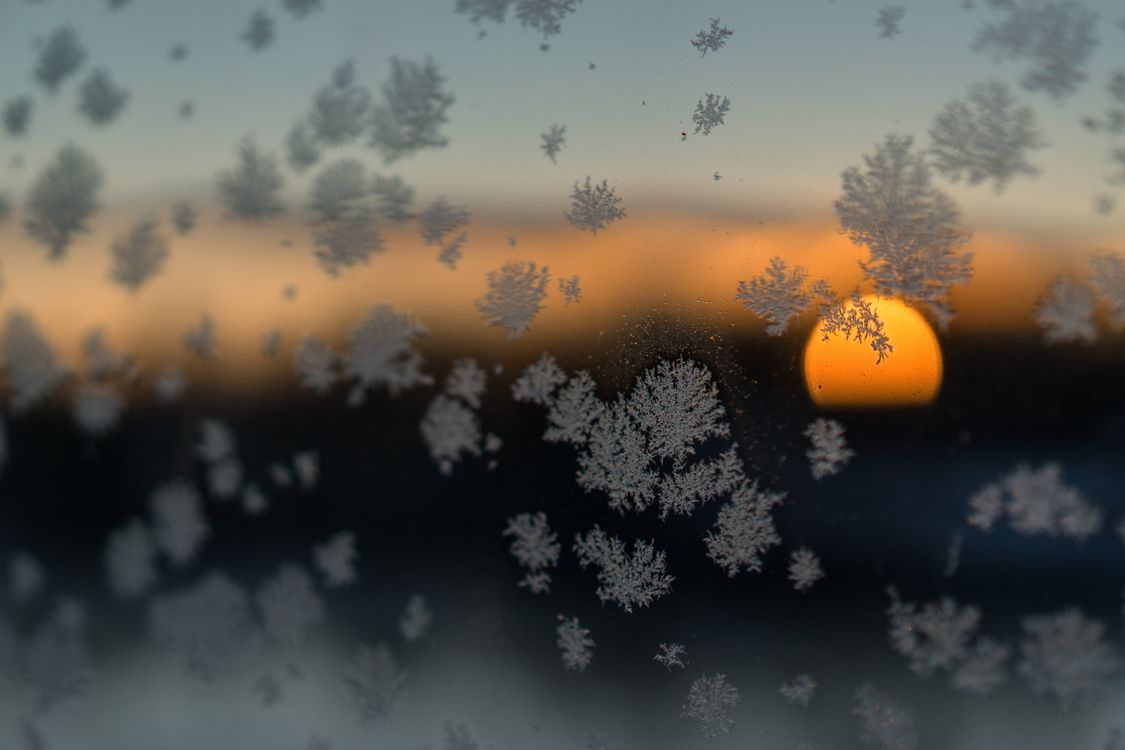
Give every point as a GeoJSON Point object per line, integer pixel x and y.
{"type": "Point", "coordinates": [412, 112]}
{"type": "Point", "coordinates": [514, 296]}
{"type": "Point", "coordinates": [986, 137]}
{"type": "Point", "coordinates": [744, 530]}
{"type": "Point", "coordinates": [629, 580]}
{"type": "Point", "coordinates": [709, 113]}
{"type": "Point", "coordinates": [778, 295]}
{"type": "Point", "coordinates": [594, 207]}
{"type": "Point", "coordinates": [909, 227]}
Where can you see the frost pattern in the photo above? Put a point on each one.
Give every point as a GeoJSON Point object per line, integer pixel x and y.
{"type": "Point", "coordinates": [744, 530]}
{"type": "Point", "coordinates": [260, 31]}
{"type": "Point", "coordinates": [339, 110]}
{"type": "Point", "coordinates": [30, 362]}
{"type": "Point", "coordinates": [375, 682]}
{"type": "Point", "coordinates": [440, 219]}
{"type": "Point", "coordinates": [884, 724]}
{"type": "Point", "coordinates": [346, 229]}
{"type": "Point", "coordinates": [130, 560]}
{"type": "Point", "coordinates": [289, 605]}
{"type": "Point", "coordinates": [1036, 501]}
{"type": "Point", "coordinates": [1064, 655]}
{"type": "Point", "coordinates": [251, 191]}
{"type": "Point", "coordinates": [514, 296]}
{"type": "Point", "coordinates": [544, 16]}
{"type": "Point", "coordinates": [804, 569]}
{"type": "Point", "coordinates": [710, 701]}
{"type": "Point", "coordinates": [205, 626]}
{"type": "Point", "coordinates": [986, 137]}
{"type": "Point", "coordinates": [575, 644]}
{"type": "Point", "coordinates": [909, 226]}
{"type": "Point", "coordinates": [888, 20]}
{"type": "Point", "coordinates": [315, 363]}
{"type": "Point", "coordinates": [537, 384]}
{"type": "Point", "coordinates": [1056, 37]}
{"type": "Point", "coordinates": [800, 690]}
{"type": "Point", "coordinates": [553, 141]}
{"type": "Point", "coordinates": [571, 290]}
{"type": "Point", "coordinates": [382, 352]}
{"type": "Point", "coordinates": [416, 619]}
{"type": "Point", "coordinates": [830, 452]}
{"type": "Point", "coordinates": [709, 112]}
{"type": "Point", "coordinates": [62, 199]}
{"type": "Point", "coordinates": [711, 39]}
{"type": "Point", "coordinates": [413, 110]}
{"type": "Point", "coordinates": [96, 408]}
{"type": "Point", "coordinates": [335, 560]}
{"type": "Point", "coordinates": [138, 255]}
{"type": "Point", "coordinates": [594, 207]}
{"type": "Point", "coordinates": [450, 429]}
{"type": "Point", "coordinates": [671, 655]}
{"type": "Point", "coordinates": [778, 295]}
{"type": "Point", "coordinates": [628, 580]}
{"type": "Point", "coordinates": [1107, 276]}
{"type": "Point", "coordinates": [17, 115]}
{"type": "Point", "coordinates": [1065, 314]}
{"type": "Point", "coordinates": [179, 527]}
{"type": "Point", "coordinates": [535, 547]}
{"type": "Point", "coordinates": [60, 58]}
{"type": "Point", "coordinates": [100, 99]}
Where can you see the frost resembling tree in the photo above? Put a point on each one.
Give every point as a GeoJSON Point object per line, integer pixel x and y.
{"type": "Point", "coordinates": [393, 198]}
{"type": "Point", "coordinates": [1107, 277]}
{"type": "Point", "coordinates": [671, 655]}
{"type": "Point", "coordinates": [251, 191]}
{"type": "Point", "coordinates": [543, 16]}
{"type": "Point", "coordinates": [96, 408]}
{"type": "Point", "coordinates": [416, 619]}
{"type": "Point", "coordinates": [179, 526]}
{"type": "Point", "coordinates": [346, 227]}
{"type": "Point", "coordinates": [201, 338]}
{"type": "Point", "coordinates": [829, 452]}
{"type": "Point", "coordinates": [300, 147]}
{"type": "Point", "coordinates": [375, 681]}
{"type": "Point", "coordinates": [260, 31]}
{"type": "Point", "coordinates": [412, 112]}
{"type": "Point", "coordinates": [778, 295]}
{"type": "Point", "coordinates": [1065, 312]}
{"type": "Point", "coordinates": [207, 625]}
{"type": "Point", "coordinates": [909, 227]}
{"type": "Point", "coordinates": [60, 58]}
{"type": "Point", "coordinates": [800, 690]}
{"type": "Point", "coordinates": [1036, 501]}
{"type": "Point", "coordinates": [594, 207]}
{"type": "Point", "coordinates": [30, 362]}
{"type": "Point", "coordinates": [138, 255]}
{"type": "Point", "coordinates": [709, 112]}
{"type": "Point", "coordinates": [888, 20]}
{"type": "Point", "coordinates": [711, 39]}
{"type": "Point", "coordinates": [933, 638]}
{"type": "Point", "coordinates": [804, 569]}
{"type": "Point", "coordinates": [315, 363]}
{"type": "Point", "coordinates": [381, 352]}
{"type": "Point", "coordinates": [62, 199]}
{"type": "Point", "coordinates": [629, 580]}
{"type": "Point", "coordinates": [439, 219]}
{"type": "Point", "coordinates": [744, 530]}
{"type": "Point", "coordinates": [100, 99]}
{"type": "Point", "coordinates": [17, 115]}
{"type": "Point", "coordinates": [514, 296]}
{"type": "Point", "coordinates": [884, 724]}
{"type": "Point", "coordinates": [1056, 37]}
{"type": "Point", "coordinates": [450, 429]}
{"type": "Point", "coordinates": [290, 605]}
{"type": "Point", "coordinates": [710, 701]}
{"type": "Point", "coordinates": [575, 644]}
{"type": "Point", "coordinates": [1065, 655]}
{"type": "Point", "coordinates": [571, 289]}
{"type": "Point", "coordinates": [339, 110]}
{"type": "Point", "coordinates": [535, 547]}
{"type": "Point", "coordinates": [986, 137]}
{"type": "Point", "coordinates": [553, 141]}
{"type": "Point", "coordinates": [537, 383]}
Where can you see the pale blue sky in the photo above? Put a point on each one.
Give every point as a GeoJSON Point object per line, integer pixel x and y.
{"type": "Point", "coordinates": [812, 88]}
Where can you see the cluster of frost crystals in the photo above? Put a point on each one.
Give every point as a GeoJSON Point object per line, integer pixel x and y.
{"type": "Point", "coordinates": [553, 141]}
{"type": "Point", "coordinates": [744, 530]}
{"type": "Point", "coordinates": [17, 115]}
{"type": "Point", "coordinates": [1065, 313]}
{"type": "Point", "coordinates": [315, 363]}
{"type": "Point", "coordinates": [778, 295]}
{"type": "Point", "coordinates": [1036, 501]}
{"type": "Point", "coordinates": [888, 20]}
{"type": "Point", "coordinates": [412, 112]}
{"type": "Point", "coordinates": [804, 569]}
{"type": "Point", "coordinates": [712, 38]}
{"type": "Point", "coordinates": [544, 16]}
{"type": "Point", "coordinates": [909, 227]}
{"type": "Point", "coordinates": [29, 360]}
{"type": "Point", "coordinates": [416, 619]}
{"type": "Point", "coordinates": [537, 384]}
{"type": "Point", "coordinates": [382, 353]}
{"type": "Point", "coordinates": [629, 580]}
{"type": "Point", "coordinates": [260, 31]}
{"type": "Point", "coordinates": [301, 149]}
{"type": "Point", "coordinates": [1107, 276]}
{"type": "Point", "coordinates": [289, 605]}
{"type": "Point", "coordinates": [130, 560]}
{"type": "Point", "coordinates": [671, 655]}
{"type": "Point", "coordinates": [251, 191]}
{"type": "Point", "coordinates": [440, 219]}
{"type": "Point", "coordinates": [205, 626]}
{"type": "Point", "coordinates": [829, 452]}
{"type": "Point", "coordinates": [335, 560]}
{"type": "Point", "coordinates": [450, 429]}
{"type": "Point", "coordinates": [800, 690]}
{"type": "Point", "coordinates": [709, 112]}
{"type": "Point", "coordinates": [339, 110]}
{"type": "Point", "coordinates": [535, 547]}
{"type": "Point", "coordinates": [514, 297]}
{"type": "Point", "coordinates": [179, 526]}
{"type": "Point", "coordinates": [575, 644]}
{"type": "Point", "coordinates": [96, 408]}
{"type": "Point", "coordinates": [884, 724]}
{"type": "Point", "coordinates": [571, 289]}
{"type": "Point", "coordinates": [393, 198]}
{"type": "Point", "coordinates": [856, 319]}
{"type": "Point", "coordinates": [138, 255]}
{"type": "Point", "coordinates": [345, 227]}
{"type": "Point", "coordinates": [60, 58]}
{"type": "Point", "coordinates": [986, 137]}
{"type": "Point", "coordinates": [710, 701]}
{"type": "Point", "coordinates": [1055, 36]}
{"type": "Point", "coordinates": [375, 682]}
{"type": "Point", "coordinates": [62, 199]}
{"type": "Point", "coordinates": [983, 669]}
{"type": "Point", "coordinates": [594, 207]}
{"type": "Point", "coordinates": [1065, 655]}
{"type": "Point", "coordinates": [218, 450]}
{"type": "Point", "coordinates": [100, 99]}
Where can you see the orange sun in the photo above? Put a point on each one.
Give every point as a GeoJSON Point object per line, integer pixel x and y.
{"type": "Point", "coordinates": [841, 372]}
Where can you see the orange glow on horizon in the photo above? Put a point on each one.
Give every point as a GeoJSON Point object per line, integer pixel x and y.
{"type": "Point", "coordinates": [841, 372]}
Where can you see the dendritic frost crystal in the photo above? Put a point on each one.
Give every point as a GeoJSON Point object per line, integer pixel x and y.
{"type": "Point", "coordinates": [575, 644]}
{"type": "Point", "coordinates": [909, 227]}
{"type": "Point", "coordinates": [829, 452]}
{"type": "Point", "coordinates": [514, 296]}
{"type": "Point", "coordinates": [62, 199]}
{"type": "Point", "coordinates": [744, 530]}
{"type": "Point", "coordinates": [1036, 501]}
{"type": "Point", "coordinates": [709, 113]}
{"type": "Point", "coordinates": [345, 229]}
{"type": "Point", "coordinates": [412, 112]}
{"type": "Point", "coordinates": [535, 547]}
{"type": "Point", "coordinates": [710, 701]}
{"type": "Point", "coordinates": [629, 580]}
{"type": "Point", "coordinates": [553, 141]}
{"type": "Point", "coordinates": [138, 255]}
{"type": "Point", "coordinates": [594, 207]}
{"type": "Point", "coordinates": [1065, 655]}
{"type": "Point", "coordinates": [251, 191]}
{"type": "Point", "coordinates": [884, 724]}
{"type": "Point", "coordinates": [382, 353]}
{"type": "Point", "coordinates": [712, 38]}
{"type": "Point", "coordinates": [778, 295]}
